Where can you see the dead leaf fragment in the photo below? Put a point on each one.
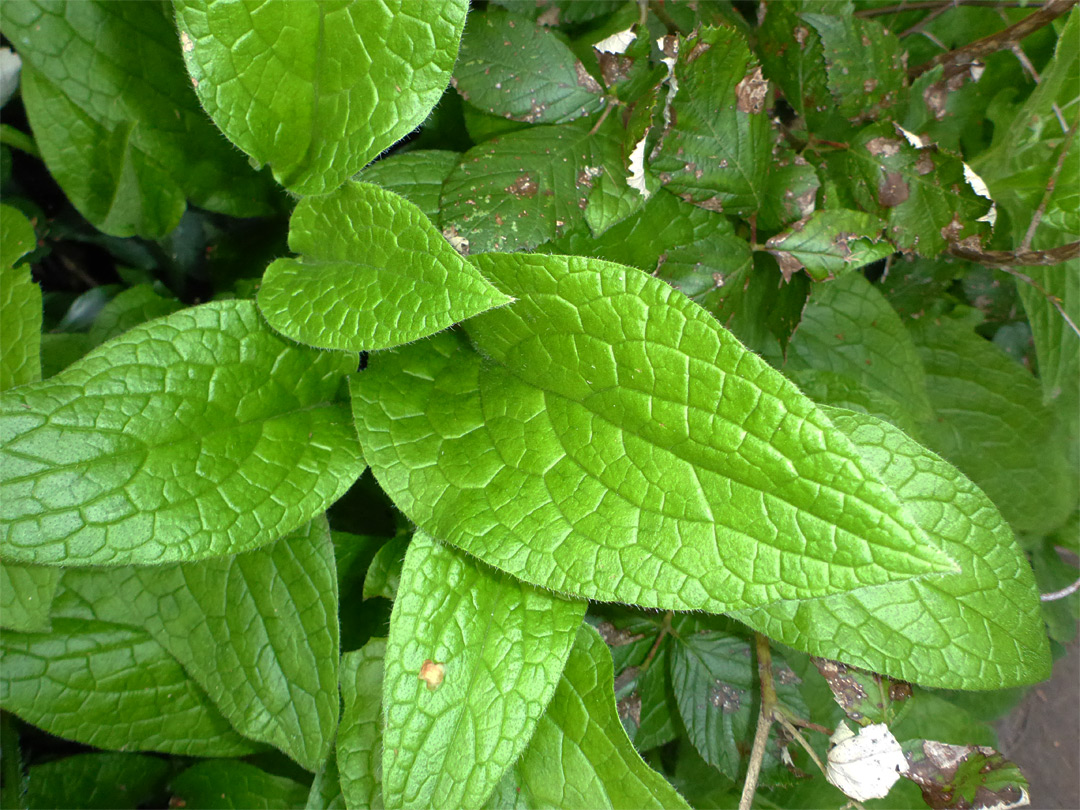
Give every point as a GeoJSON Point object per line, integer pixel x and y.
{"type": "Point", "coordinates": [432, 674]}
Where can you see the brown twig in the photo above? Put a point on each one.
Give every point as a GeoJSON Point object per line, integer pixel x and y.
{"type": "Point", "coordinates": [1012, 258]}
{"type": "Point", "coordinates": [958, 60]}
{"type": "Point", "coordinates": [1064, 148]}
{"type": "Point", "coordinates": [665, 628]}
{"type": "Point", "coordinates": [765, 721]}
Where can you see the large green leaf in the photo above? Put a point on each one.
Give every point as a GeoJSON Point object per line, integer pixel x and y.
{"type": "Point", "coordinates": [195, 435]}
{"type": "Point", "coordinates": [799, 67]}
{"type": "Point", "coordinates": [257, 631]}
{"type": "Point", "coordinates": [417, 176]}
{"type": "Point", "coordinates": [359, 742]}
{"type": "Point", "coordinates": [472, 660]}
{"type": "Point", "coordinates": [976, 629]}
{"type": "Point", "coordinates": [993, 425]}
{"type": "Point", "coordinates": [580, 756]}
{"type": "Point", "coordinates": [106, 781]}
{"type": "Point", "coordinates": [716, 152]}
{"type": "Point", "coordinates": [113, 687]}
{"type": "Point", "coordinates": [20, 303]}
{"type": "Point", "coordinates": [613, 441]}
{"type": "Point", "coordinates": [115, 118]}
{"type": "Point", "coordinates": [317, 90]}
{"type": "Point", "coordinates": [373, 272]}
{"type": "Point", "coordinates": [512, 67]}
{"type": "Point", "coordinates": [230, 785]}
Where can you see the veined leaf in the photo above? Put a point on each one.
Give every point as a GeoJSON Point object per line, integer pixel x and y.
{"type": "Point", "coordinates": [317, 90]}
{"type": "Point", "coordinates": [979, 628]}
{"type": "Point", "coordinates": [20, 303]}
{"type": "Point", "coordinates": [1057, 346]}
{"type": "Point", "coordinates": [373, 272]}
{"type": "Point", "coordinates": [325, 793]}
{"type": "Point", "coordinates": [117, 124]}
{"type": "Point", "coordinates": [257, 631]}
{"type": "Point", "coordinates": [228, 784]}
{"type": "Point", "coordinates": [384, 574]}
{"type": "Point", "coordinates": [195, 435]}
{"type": "Point", "coordinates": [613, 441]}
{"type": "Point", "coordinates": [417, 176]}
{"type": "Point", "coordinates": [472, 660]}
{"type": "Point", "coordinates": [106, 781]}
{"type": "Point", "coordinates": [512, 67]}
{"type": "Point", "coordinates": [830, 243]}
{"type": "Point", "coordinates": [113, 687]}
{"type": "Point", "coordinates": [359, 743]}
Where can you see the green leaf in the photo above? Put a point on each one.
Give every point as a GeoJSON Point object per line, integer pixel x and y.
{"type": "Point", "coordinates": [512, 67]}
{"type": "Point", "coordinates": [790, 191]}
{"type": "Point", "coordinates": [830, 243]}
{"type": "Point", "coordinates": [117, 125]}
{"type": "Point", "coordinates": [1057, 344]}
{"type": "Point", "coordinates": [964, 776]}
{"type": "Point", "coordinates": [416, 176]}
{"type": "Point", "coordinates": [580, 756]}
{"type": "Point", "coordinates": [986, 400]}
{"type": "Point", "coordinates": [348, 79]}
{"type": "Point", "coordinates": [26, 593]}
{"type": "Point", "coordinates": [613, 441]}
{"type": "Point", "coordinates": [848, 328]}
{"type": "Point", "coordinates": [359, 743]}
{"type": "Point", "coordinates": [851, 393]}
{"type": "Point", "coordinates": [373, 273]}
{"type": "Point", "coordinates": [129, 308]}
{"type": "Point", "coordinates": [195, 435]}
{"type": "Point", "coordinates": [715, 680]}
{"type": "Point", "coordinates": [473, 659]}
{"type": "Point", "coordinates": [976, 629]}
{"type": "Point", "coordinates": [257, 631]}
{"type": "Point", "coordinates": [519, 190]}
{"type": "Point", "coordinates": [716, 152]}
{"type": "Point", "coordinates": [231, 785]}
{"type": "Point", "coordinates": [384, 573]}
{"type": "Point", "coordinates": [20, 303]}
{"type": "Point", "coordinates": [106, 781]}
{"type": "Point", "coordinates": [111, 687]}
{"type": "Point", "coordinates": [865, 64]}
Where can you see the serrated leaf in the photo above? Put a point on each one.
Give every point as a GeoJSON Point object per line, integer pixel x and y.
{"type": "Point", "coordinates": [257, 631]}
{"type": "Point", "coordinates": [865, 64]}
{"type": "Point", "coordinates": [976, 629]}
{"type": "Point", "coordinates": [359, 743]}
{"type": "Point", "coordinates": [109, 463]}
{"type": "Point", "coordinates": [714, 677]}
{"type": "Point", "coordinates": [20, 303]}
{"type": "Point", "coordinates": [417, 176]}
{"type": "Point", "coordinates": [519, 190]}
{"type": "Point", "coordinates": [494, 647]}
{"type": "Point", "coordinates": [106, 781]}
{"type": "Point", "coordinates": [511, 67]}
{"type": "Point", "coordinates": [384, 574]}
{"type": "Point", "coordinates": [26, 592]}
{"type": "Point", "coordinates": [613, 441]}
{"type": "Point", "coordinates": [791, 189]}
{"type": "Point", "coordinates": [117, 125]}
{"type": "Point", "coordinates": [965, 776]}
{"type": "Point", "coordinates": [129, 308]}
{"type": "Point", "coordinates": [231, 785]}
{"type": "Point", "coordinates": [986, 400]}
{"type": "Point", "coordinates": [373, 273]}
{"type": "Point", "coordinates": [849, 328]}
{"type": "Point", "coordinates": [830, 243]}
{"type": "Point", "coordinates": [716, 152]}
{"type": "Point", "coordinates": [112, 687]}
{"type": "Point", "coordinates": [317, 90]}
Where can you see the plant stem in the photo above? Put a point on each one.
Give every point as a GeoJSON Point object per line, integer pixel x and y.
{"type": "Point", "coordinates": [765, 720]}
{"type": "Point", "coordinates": [1068, 590]}
{"type": "Point", "coordinates": [1055, 302]}
{"type": "Point", "coordinates": [1009, 258]}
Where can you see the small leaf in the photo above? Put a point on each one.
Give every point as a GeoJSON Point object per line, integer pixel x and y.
{"type": "Point", "coordinates": [228, 784]}
{"type": "Point", "coordinates": [511, 67]}
{"type": "Point", "coordinates": [489, 649]}
{"type": "Point", "coordinates": [359, 743]}
{"type": "Point", "coordinates": [417, 176]}
{"type": "Point", "coordinates": [106, 781]}
{"type": "Point", "coordinates": [830, 243]}
{"type": "Point", "coordinates": [792, 56]}
{"type": "Point", "coordinates": [20, 303]}
{"type": "Point", "coordinates": [325, 793]}
{"type": "Point", "coordinates": [109, 463]}
{"type": "Point", "coordinates": [637, 451]}
{"type": "Point", "coordinates": [318, 90]}
{"type": "Point", "coordinates": [373, 273]}
{"type": "Point", "coordinates": [964, 776]}
{"type": "Point", "coordinates": [122, 133]}
{"type": "Point", "coordinates": [658, 706]}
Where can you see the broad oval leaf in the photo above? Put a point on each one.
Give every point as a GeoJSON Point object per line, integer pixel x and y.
{"type": "Point", "coordinates": [317, 90]}
{"type": "Point", "coordinates": [373, 273]}
{"type": "Point", "coordinates": [26, 593]}
{"type": "Point", "coordinates": [195, 435]}
{"type": "Point", "coordinates": [268, 658]}
{"type": "Point", "coordinates": [359, 742]}
{"type": "Point", "coordinates": [493, 649]}
{"type": "Point", "coordinates": [417, 176]}
{"type": "Point", "coordinates": [980, 628]}
{"type": "Point", "coordinates": [613, 441]}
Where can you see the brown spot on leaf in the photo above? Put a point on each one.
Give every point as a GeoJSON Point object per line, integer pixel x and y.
{"type": "Point", "coordinates": [614, 67]}
{"type": "Point", "coordinates": [925, 163]}
{"type": "Point", "coordinates": [751, 91]}
{"type": "Point", "coordinates": [697, 51]}
{"type": "Point", "coordinates": [892, 190]}
{"type": "Point", "coordinates": [432, 674]}
{"type": "Point", "coordinates": [869, 86]}
{"type": "Point", "coordinates": [789, 265]}
{"type": "Point", "coordinates": [524, 186]}
{"type": "Point", "coordinates": [801, 33]}
{"type": "Point", "coordinates": [630, 708]}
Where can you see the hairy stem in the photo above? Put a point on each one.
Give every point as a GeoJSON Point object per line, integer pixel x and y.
{"type": "Point", "coordinates": [1010, 258]}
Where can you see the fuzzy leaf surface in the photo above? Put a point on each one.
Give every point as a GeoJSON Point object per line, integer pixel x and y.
{"type": "Point", "coordinates": [196, 435]}
{"type": "Point", "coordinates": [26, 592]}
{"type": "Point", "coordinates": [977, 629]}
{"type": "Point", "coordinates": [373, 273]}
{"type": "Point", "coordinates": [317, 90]}
{"type": "Point", "coordinates": [359, 742]}
{"type": "Point", "coordinates": [613, 441]}
{"type": "Point", "coordinates": [501, 645]}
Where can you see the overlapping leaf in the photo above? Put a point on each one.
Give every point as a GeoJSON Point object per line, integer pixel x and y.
{"type": "Point", "coordinates": [613, 441]}
{"type": "Point", "coordinates": [26, 592]}
{"type": "Point", "coordinates": [317, 90]}
{"type": "Point", "coordinates": [373, 272]}
{"type": "Point", "coordinates": [195, 435]}
{"type": "Point", "coordinates": [496, 648]}
{"type": "Point", "coordinates": [107, 781]}
{"type": "Point", "coordinates": [20, 303]}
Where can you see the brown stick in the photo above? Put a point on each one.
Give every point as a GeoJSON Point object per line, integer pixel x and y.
{"type": "Point", "coordinates": [765, 721]}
